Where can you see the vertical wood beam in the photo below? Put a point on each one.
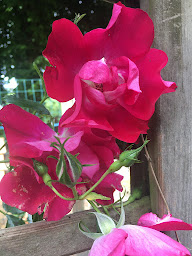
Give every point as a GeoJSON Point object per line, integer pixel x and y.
{"type": "Point", "coordinates": [171, 126]}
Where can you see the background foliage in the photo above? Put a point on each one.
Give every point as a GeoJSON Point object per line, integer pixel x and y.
{"type": "Point", "coordinates": [25, 26]}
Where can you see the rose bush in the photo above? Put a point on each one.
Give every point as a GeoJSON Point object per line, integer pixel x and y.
{"type": "Point", "coordinates": [113, 73]}
{"type": "Point", "coordinates": [30, 139]}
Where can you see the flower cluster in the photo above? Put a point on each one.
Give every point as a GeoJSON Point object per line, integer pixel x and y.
{"type": "Point", "coordinates": [30, 139]}
{"type": "Point", "coordinates": [114, 76]}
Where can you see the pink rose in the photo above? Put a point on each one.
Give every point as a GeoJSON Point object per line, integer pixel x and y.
{"type": "Point", "coordinates": [118, 239]}
{"type": "Point", "coordinates": [134, 240]}
{"type": "Point", "coordinates": [113, 73]}
{"type": "Point", "coordinates": [29, 138]}
{"type": "Point", "coordinates": [167, 223]}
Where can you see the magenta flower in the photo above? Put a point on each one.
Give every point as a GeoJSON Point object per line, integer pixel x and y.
{"type": "Point", "coordinates": [112, 73]}
{"type": "Point", "coordinates": [167, 223]}
{"type": "Point", "coordinates": [136, 241]}
{"type": "Point", "coordinates": [130, 240]}
{"type": "Point", "coordinates": [29, 138]}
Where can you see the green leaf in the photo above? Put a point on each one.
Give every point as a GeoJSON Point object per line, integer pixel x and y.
{"type": "Point", "coordinates": [60, 166]}
{"type": "Point", "coordinates": [36, 217]}
{"type": "Point", "coordinates": [13, 221]}
{"type": "Point", "coordinates": [91, 235]}
{"type": "Point", "coordinates": [93, 196]}
{"type": "Point", "coordinates": [86, 165]}
{"type": "Point", "coordinates": [61, 170]}
{"type": "Point", "coordinates": [78, 17]}
{"type": "Point", "coordinates": [53, 157]}
{"type": "Point", "coordinates": [75, 166]}
{"type": "Point", "coordinates": [23, 103]}
{"type": "Point", "coordinates": [12, 210]}
{"type": "Point", "coordinates": [106, 224]}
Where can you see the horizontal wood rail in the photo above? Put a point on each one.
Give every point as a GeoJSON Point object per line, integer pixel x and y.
{"type": "Point", "coordinates": [59, 238]}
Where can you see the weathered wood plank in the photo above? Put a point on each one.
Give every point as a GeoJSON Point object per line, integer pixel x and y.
{"type": "Point", "coordinates": [60, 238]}
{"type": "Point", "coordinates": [171, 135]}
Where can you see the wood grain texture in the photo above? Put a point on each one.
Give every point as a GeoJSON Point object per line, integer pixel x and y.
{"type": "Point", "coordinates": [171, 127]}
{"type": "Point", "coordinates": [60, 238]}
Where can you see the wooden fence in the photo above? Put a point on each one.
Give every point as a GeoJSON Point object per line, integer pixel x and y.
{"type": "Point", "coordinates": [170, 147]}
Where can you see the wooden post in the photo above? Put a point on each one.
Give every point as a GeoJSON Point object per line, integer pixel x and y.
{"type": "Point", "coordinates": [60, 238]}
{"type": "Point", "coordinates": [171, 127]}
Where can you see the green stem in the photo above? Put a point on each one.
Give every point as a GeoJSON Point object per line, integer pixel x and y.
{"type": "Point", "coordinates": [44, 99]}
{"type": "Point", "coordinates": [4, 161]}
{"type": "Point", "coordinates": [11, 214]}
{"type": "Point", "coordinates": [94, 206]}
{"type": "Point", "coordinates": [106, 211]}
{"type": "Point", "coordinates": [59, 195]}
{"type": "Point", "coordinates": [3, 146]}
{"type": "Point", "coordinates": [40, 75]}
{"type": "Point", "coordinates": [75, 193]}
{"type": "Point", "coordinates": [154, 176]}
{"type": "Point", "coordinates": [115, 209]}
{"type": "Point", "coordinates": [130, 200]}
{"type": "Point", "coordinates": [4, 213]}
{"type": "Point", "coordinates": [95, 185]}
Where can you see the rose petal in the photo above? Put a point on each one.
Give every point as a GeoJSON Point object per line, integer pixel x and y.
{"type": "Point", "coordinates": [66, 52]}
{"type": "Point", "coordinates": [84, 114]}
{"type": "Point", "coordinates": [20, 189]}
{"type": "Point", "coordinates": [87, 156]}
{"type": "Point", "coordinates": [96, 71]}
{"type": "Point", "coordinates": [126, 127]}
{"type": "Point", "coordinates": [108, 186]}
{"type": "Point", "coordinates": [26, 134]}
{"type": "Point", "coordinates": [130, 33]}
{"type": "Point", "coordinates": [167, 223]}
{"type": "Point", "coordinates": [57, 208]}
{"type": "Point", "coordinates": [151, 84]}
{"type": "Point", "coordinates": [142, 241]}
{"type": "Point", "coordinates": [112, 244]}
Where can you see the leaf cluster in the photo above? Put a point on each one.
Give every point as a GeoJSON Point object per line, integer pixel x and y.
{"type": "Point", "coordinates": [25, 26]}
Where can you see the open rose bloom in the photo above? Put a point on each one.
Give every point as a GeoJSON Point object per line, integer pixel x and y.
{"type": "Point", "coordinates": [113, 73]}
{"type": "Point", "coordinates": [29, 138]}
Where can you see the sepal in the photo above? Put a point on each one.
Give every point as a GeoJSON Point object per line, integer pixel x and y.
{"type": "Point", "coordinates": [121, 221]}
{"type": "Point", "coordinates": [106, 224]}
{"type": "Point", "coordinates": [129, 157]}
{"type": "Point", "coordinates": [89, 234]}
{"type": "Point", "coordinates": [94, 196]}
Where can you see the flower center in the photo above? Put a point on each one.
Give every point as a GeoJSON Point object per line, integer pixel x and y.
{"type": "Point", "coordinates": [99, 87]}
{"type": "Point", "coordinates": [96, 86]}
